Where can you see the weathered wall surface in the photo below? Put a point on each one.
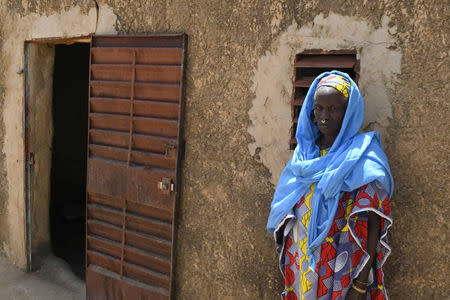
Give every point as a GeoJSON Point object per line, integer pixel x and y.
{"type": "Point", "coordinates": [273, 79]}
{"type": "Point", "coordinates": [18, 24]}
{"type": "Point", "coordinates": [223, 249]}
{"type": "Point", "coordinates": [40, 89]}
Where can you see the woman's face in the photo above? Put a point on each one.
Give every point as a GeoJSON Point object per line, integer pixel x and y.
{"type": "Point", "coordinates": [329, 110]}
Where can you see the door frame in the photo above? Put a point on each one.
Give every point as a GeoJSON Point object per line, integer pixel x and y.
{"type": "Point", "coordinates": [29, 158]}
{"type": "Point", "coordinates": [29, 155]}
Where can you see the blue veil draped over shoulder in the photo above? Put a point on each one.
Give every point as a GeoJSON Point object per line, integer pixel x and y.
{"type": "Point", "coordinates": [354, 159]}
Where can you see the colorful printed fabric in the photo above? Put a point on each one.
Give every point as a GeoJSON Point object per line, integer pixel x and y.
{"type": "Point", "coordinates": [342, 255]}
{"type": "Point", "coordinates": [338, 82]}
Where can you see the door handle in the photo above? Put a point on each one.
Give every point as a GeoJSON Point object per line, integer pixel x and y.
{"type": "Point", "coordinates": [166, 185]}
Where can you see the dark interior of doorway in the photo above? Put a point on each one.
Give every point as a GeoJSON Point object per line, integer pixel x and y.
{"type": "Point", "coordinates": [69, 154]}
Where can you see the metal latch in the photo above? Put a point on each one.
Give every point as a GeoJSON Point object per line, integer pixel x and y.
{"type": "Point", "coordinates": [169, 149]}
{"type": "Point", "coordinates": [166, 185]}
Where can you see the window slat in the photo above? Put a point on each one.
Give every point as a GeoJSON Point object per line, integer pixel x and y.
{"type": "Point", "coordinates": [326, 61]}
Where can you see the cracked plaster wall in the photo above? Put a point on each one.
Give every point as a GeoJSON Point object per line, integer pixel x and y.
{"type": "Point", "coordinates": [273, 79]}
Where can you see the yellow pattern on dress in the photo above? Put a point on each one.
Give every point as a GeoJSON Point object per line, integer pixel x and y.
{"type": "Point", "coordinates": [348, 210]}
{"type": "Point", "coordinates": [305, 284]}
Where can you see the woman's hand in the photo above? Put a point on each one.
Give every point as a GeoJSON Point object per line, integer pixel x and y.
{"type": "Point", "coordinates": [354, 295]}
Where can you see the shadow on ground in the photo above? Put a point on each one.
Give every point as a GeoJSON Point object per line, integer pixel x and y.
{"type": "Point", "coordinates": [54, 281]}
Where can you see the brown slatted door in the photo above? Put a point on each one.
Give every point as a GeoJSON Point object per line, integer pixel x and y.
{"type": "Point", "coordinates": [135, 118]}
{"type": "Point", "coordinates": [311, 63]}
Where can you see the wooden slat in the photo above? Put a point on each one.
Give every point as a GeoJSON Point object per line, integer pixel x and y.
{"type": "Point", "coordinates": [144, 73]}
{"type": "Point", "coordinates": [146, 276]}
{"type": "Point", "coordinates": [158, 127]}
{"type": "Point", "coordinates": [112, 138]}
{"type": "Point", "coordinates": [104, 246]}
{"type": "Point", "coordinates": [137, 240]}
{"type": "Point", "coordinates": [108, 152]}
{"type": "Point", "coordinates": [304, 82]}
{"type": "Point", "coordinates": [111, 55]}
{"type": "Point", "coordinates": [132, 255]}
{"type": "Point", "coordinates": [113, 72]}
{"type": "Point", "coordinates": [102, 260]}
{"type": "Point", "coordinates": [110, 105]}
{"type": "Point", "coordinates": [104, 230]}
{"type": "Point", "coordinates": [137, 157]}
{"type": "Point", "coordinates": [133, 207]}
{"type": "Point", "coordinates": [148, 243]}
{"type": "Point", "coordinates": [146, 108]}
{"type": "Point", "coordinates": [326, 61]}
{"type": "Point", "coordinates": [149, 226]}
{"type": "Point", "coordinates": [115, 89]}
{"type": "Point", "coordinates": [150, 211]}
{"type": "Point", "coordinates": [144, 91]}
{"type": "Point", "coordinates": [142, 125]}
{"type": "Point", "coordinates": [107, 200]}
{"type": "Point", "coordinates": [155, 91]}
{"type": "Point", "coordinates": [133, 222]}
{"type": "Point", "coordinates": [148, 260]}
{"type": "Point", "coordinates": [162, 73]}
{"type": "Point", "coordinates": [112, 122]}
{"type": "Point", "coordinates": [156, 56]}
{"type": "Point", "coordinates": [298, 101]}
{"type": "Point", "coordinates": [104, 214]}
{"type": "Point", "coordinates": [159, 56]}
{"type": "Point", "coordinates": [130, 270]}
{"type": "Point", "coordinates": [156, 109]}
{"type": "Point", "coordinates": [152, 143]}
{"type": "Point", "coordinates": [152, 159]}
{"type": "Point", "coordinates": [112, 286]}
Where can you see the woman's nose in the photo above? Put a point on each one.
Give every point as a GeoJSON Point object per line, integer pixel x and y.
{"type": "Point", "coordinates": [324, 114]}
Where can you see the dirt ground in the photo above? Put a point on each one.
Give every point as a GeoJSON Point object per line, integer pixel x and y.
{"type": "Point", "coordinates": [53, 281]}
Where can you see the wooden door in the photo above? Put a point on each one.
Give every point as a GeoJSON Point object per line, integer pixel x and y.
{"type": "Point", "coordinates": [135, 122]}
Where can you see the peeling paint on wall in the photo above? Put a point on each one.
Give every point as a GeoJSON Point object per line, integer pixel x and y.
{"type": "Point", "coordinates": [273, 76]}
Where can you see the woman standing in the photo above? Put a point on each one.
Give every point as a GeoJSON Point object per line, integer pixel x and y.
{"type": "Point", "coordinates": [330, 211]}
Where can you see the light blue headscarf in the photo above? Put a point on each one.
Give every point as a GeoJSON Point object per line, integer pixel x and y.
{"type": "Point", "coordinates": [354, 159]}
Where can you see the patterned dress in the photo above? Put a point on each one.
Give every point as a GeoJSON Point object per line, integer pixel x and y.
{"type": "Point", "coordinates": [342, 255]}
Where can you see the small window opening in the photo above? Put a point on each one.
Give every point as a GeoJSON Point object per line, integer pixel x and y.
{"type": "Point", "coordinates": [69, 154]}
{"type": "Point", "coordinates": [311, 63]}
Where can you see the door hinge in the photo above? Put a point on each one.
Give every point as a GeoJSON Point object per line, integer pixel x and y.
{"type": "Point", "coordinates": [31, 159]}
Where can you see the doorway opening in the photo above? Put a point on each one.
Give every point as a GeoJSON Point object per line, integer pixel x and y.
{"type": "Point", "coordinates": [69, 154]}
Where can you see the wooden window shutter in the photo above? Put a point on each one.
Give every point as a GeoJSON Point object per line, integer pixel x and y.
{"type": "Point", "coordinates": [311, 63]}
{"type": "Point", "coordinates": [135, 123]}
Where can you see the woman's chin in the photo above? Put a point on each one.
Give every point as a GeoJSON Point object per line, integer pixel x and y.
{"type": "Point", "coordinates": [325, 130]}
